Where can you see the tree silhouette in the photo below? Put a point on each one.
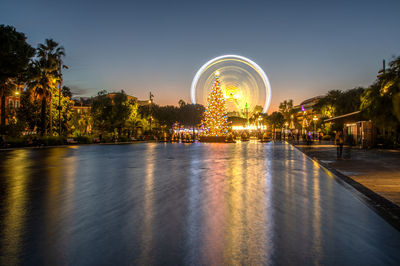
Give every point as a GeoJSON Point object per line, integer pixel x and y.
{"type": "Point", "coordinates": [15, 54]}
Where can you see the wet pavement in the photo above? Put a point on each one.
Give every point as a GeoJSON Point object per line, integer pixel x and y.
{"type": "Point", "coordinates": [149, 203]}
{"type": "Point", "coordinates": [376, 169]}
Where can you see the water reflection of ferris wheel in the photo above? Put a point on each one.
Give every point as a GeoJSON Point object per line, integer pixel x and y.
{"type": "Point", "coordinates": [245, 85]}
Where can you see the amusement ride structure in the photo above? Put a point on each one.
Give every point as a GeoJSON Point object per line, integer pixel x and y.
{"type": "Point", "coordinates": [245, 85]}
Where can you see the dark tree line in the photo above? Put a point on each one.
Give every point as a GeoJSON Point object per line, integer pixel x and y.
{"type": "Point", "coordinates": [185, 114]}
{"type": "Point", "coordinates": [40, 71]}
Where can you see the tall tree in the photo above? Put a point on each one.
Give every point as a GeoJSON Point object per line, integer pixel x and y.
{"type": "Point", "coordinates": [42, 81]}
{"type": "Point", "coordinates": [114, 112]}
{"type": "Point", "coordinates": [349, 101]}
{"type": "Point", "coordinates": [51, 54]}
{"type": "Point", "coordinates": [133, 120]}
{"type": "Point", "coordinates": [288, 112]}
{"type": "Point", "coordinates": [120, 111]}
{"type": "Point", "coordinates": [101, 111]}
{"type": "Point", "coordinates": [276, 121]}
{"type": "Point", "coordinates": [181, 103]}
{"type": "Point", "coordinates": [29, 111]}
{"type": "Point", "coordinates": [286, 108]}
{"type": "Point", "coordinates": [380, 101]}
{"type": "Point", "coordinates": [15, 54]}
{"type": "Point", "coordinates": [65, 112]}
{"type": "Point", "coordinates": [327, 106]}
{"type": "Point", "coordinates": [191, 114]}
{"type": "Point", "coordinates": [166, 115]}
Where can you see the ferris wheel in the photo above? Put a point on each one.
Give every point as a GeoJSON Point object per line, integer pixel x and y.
{"type": "Point", "coordinates": [245, 85]}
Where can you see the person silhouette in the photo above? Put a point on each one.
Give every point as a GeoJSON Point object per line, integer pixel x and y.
{"type": "Point", "coordinates": [339, 144]}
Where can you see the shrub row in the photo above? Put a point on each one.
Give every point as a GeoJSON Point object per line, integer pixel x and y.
{"type": "Point", "coordinates": [34, 141]}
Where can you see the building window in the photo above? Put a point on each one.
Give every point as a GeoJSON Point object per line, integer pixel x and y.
{"type": "Point", "coordinates": [10, 104]}
{"type": "Point", "coordinates": [16, 104]}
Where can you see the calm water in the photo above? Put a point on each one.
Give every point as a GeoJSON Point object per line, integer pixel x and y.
{"type": "Point", "coordinates": [244, 203]}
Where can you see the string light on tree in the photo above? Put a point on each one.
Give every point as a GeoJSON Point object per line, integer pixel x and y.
{"type": "Point", "coordinates": [215, 117]}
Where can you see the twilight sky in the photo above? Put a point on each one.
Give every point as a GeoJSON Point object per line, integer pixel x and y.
{"type": "Point", "coordinates": [305, 47]}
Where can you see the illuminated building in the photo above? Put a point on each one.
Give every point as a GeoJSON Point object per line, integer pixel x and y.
{"type": "Point", "coordinates": [12, 103]}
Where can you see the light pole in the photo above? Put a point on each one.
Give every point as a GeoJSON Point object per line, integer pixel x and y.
{"type": "Point", "coordinates": [59, 108]}
{"type": "Point", "coordinates": [260, 122]}
{"type": "Point", "coordinates": [286, 126]}
{"type": "Point", "coordinates": [60, 67]}
{"type": "Point", "coordinates": [151, 96]}
{"type": "Point", "coordinates": [304, 122]}
{"type": "Point", "coordinates": [315, 119]}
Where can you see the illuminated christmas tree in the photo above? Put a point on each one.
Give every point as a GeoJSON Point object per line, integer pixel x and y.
{"type": "Point", "coordinates": [215, 117]}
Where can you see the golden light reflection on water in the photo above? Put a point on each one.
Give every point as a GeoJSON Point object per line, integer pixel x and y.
{"type": "Point", "coordinates": [148, 208]}
{"type": "Point", "coordinates": [195, 202]}
{"type": "Point", "coordinates": [60, 173]}
{"type": "Point", "coordinates": [316, 224]}
{"type": "Point", "coordinates": [54, 171]}
{"type": "Point", "coordinates": [16, 204]}
{"type": "Point", "coordinates": [235, 207]}
{"type": "Point", "coordinates": [214, 216]}
{"type": "Point", "coordinates": [306, 209]}
{"type": "Point", "coordinates": [70, 170]}
{"type": "Point", "coordinates": [255, 217]}
{"type": "Point", "coordinates": [236, 195]}
{"type": "Point", "coordinates": [269, 231]}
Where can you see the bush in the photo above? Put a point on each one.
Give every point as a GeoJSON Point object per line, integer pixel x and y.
{"type": "Point", "coordinates": [123, 139]}
{"type": "Point", "coordinates": [15, 142]}
{"type": "Point", "coordinates": [107, 139]}
{"type": "Point", "coordinates": [386, 141]}
{"type": "Point", "coordinates": [327, 137]}
{"type": "Point", "coordinates": [84, 139]}
{"type": "Point", "coordinates": [52, 141]}
{"type": "Point", "coordinates": [212, 139]}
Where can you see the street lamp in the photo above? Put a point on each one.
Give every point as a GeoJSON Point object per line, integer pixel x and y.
{"type": "Point", "coordinates": [286, 126]}
{"type": "Point", "coordinates": [315, 119]}
{"type": "Point", "coordinates": [259, 120]}
{"type": "Point", "coordinates": [304, 122]}
{"type": "Point", "coordinates": [260, 126]}
{"type": "Point", "coordinates": [151, 96]}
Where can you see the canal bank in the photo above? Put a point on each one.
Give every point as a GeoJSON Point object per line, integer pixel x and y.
{"type": "Point", "coordinates": [374, 175]}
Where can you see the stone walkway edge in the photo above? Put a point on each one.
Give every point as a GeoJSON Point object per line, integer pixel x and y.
{"type": "Point", "coordinates": [384, 207]}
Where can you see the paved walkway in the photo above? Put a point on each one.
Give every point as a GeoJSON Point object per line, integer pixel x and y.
{"type": "Point", "coordinates": [376, 169]}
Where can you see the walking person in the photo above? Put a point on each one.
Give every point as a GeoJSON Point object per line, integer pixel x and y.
{"type": "Point", "coordinates": [309, 140]}
{"type": "Point", "coordinates": [339, 143]}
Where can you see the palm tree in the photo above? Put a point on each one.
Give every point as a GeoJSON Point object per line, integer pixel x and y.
{"type": "Point", "coordinates": [51, 53]}
{"type": "Point", "coordinates": [84, 122]}
{"type": "Point", "coordinates": [41, 82]}
{"type": "Point", "coordinates": [46, 73]}
{"type": "Point", "coordinates": [276, 120]}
